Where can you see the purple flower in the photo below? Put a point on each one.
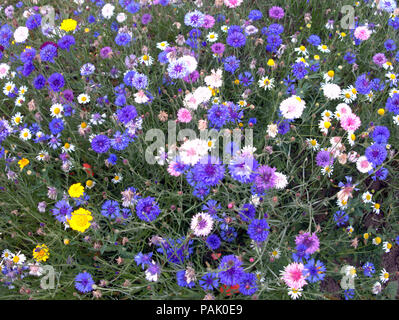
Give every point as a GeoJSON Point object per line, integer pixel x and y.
{"type": "Point", "coordinates": [218, 48]}
{"type": "Point", "coordinates": [310, 241]}
{"type": "Point", "coordinates": [276, 13]}
{"type": "Point", "coordinates": [379, 59]}
{"type": "Point", "coordinates": [324, 158]}
{"type": "Point", "coordinates": [146, 18]}
{"type": "Point", "coordinates": [265, 179]}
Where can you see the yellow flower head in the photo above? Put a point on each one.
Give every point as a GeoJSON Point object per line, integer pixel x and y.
{"type": "Point", "coordinates": [23, 163]}
{"type": "Point", "coordinates": [76, 190]}
{"type": "Point", "coordinates": [80, 220]}
{"type": "Point", "coordinates": [41, 253]}
{"type": "Point", "coordinates": [68, 25]}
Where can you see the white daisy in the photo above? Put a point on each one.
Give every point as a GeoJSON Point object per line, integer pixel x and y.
{"type": "Point", "coordinates": [25, 134]}
{"type": "Point", "coordinates": [212, 37]}
{"type": "Point", "coordinates": [384, 276]}
{"type": "Point", "coordinates": [56, 110]}
{"type": "Point", "coordinates": [83, 98]}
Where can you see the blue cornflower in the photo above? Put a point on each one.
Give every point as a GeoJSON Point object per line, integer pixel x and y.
{"type": "Point", "coordinates": [110, 209]}
{"type": "Point", "coordinates": [275, 28]}
{"type": "Point", "coordinates": [390, 45]}
{"type": "Point", "coordinates": [273, 42]}
{"type": "Point", "coordinates": [182, 280]}
{"type": "Point", "coordinates": [123, 39]}
{"type": "Point", "coordinates": [56, 125]}
{"type": "Point", "coordinates": [66, 42]}
{"type": "Point", "coordinates": [314, 272]}
{"type": "Point", "coordinates": [248, 284]}
{"type": "Point", "coordinates": [27, 55]}
{"type": "Point", "coordinates": [212, 207]}
{"type": "Point", "coordinates": [62, 211]}
{"type": "Point", "coordinates": [380, 134]}
{"type": "Point", "coordinates": [368, 269]}
{"type": "Point", "coordinates": [143, 259]}
{"type": "Point", "coordinates": [84, 282]}
{"type": "Point", "coordinates": [120, 141]}
{"type": "Point", "coordinates": [300, 253]}
{"type": "Point", "coordinates": [127, 114]}
{"type": "Point", "coordinates": [247, 213]}
{"type": "Point", "coordinates": [56, 81]}
{"type": "Point", "coordinates": [380, 174]}
{"type": "Point", "coordinates": [229, 234]}
{"type": "Point", "coordinates": [48, 53]}
{"type": "Point", "coordinates": [258, 230]}
{"type": "Point", "coordinates": [133, 7]}
{"type": "Point", "coordinates": [209, 170]}
{"type": "Point", "coordinates": [176, 251]}
{"type": "Point", "coordinates": [147, 209]}
{"type": "Point", "coordinates": [209, 281]}
{"type": "Point", "coordinates": [201, 191]}
{"type": "Point", "coordinates": [39, 82]}
{"type": "Point", "coordinates": [255, 15]}
{"type": "Point", "coordinates": [230, 270]}
{"type": "Point", "coordinates": [392, 104]}
{"type": "Point", "coordinates": [194, 19]}
{"type": "Point", "coordinates": [246, 78]}
{"type": "Point", "coordinates": [236, 39]}
{"type": "Point", "coordinates": [376, 154]}
{"type": "Point", "coordinates": [349, 294]}
{"type": "Point", "coordinates": [218, 116]}
{"type": "Point", "coordinates": [314, 40]}
{"type": "Point", "coordinates": [363, 84]}
{"type": "Point", "coordinates": [140, 81]}
{"type": "Point", "coordinates": [213, 242]}
{"type": "Point", "coordinates": [341, 218]}
{"type": "Point", "coordinates": [350, 57]}
{"type": "Point", "coordinates": [100, 143]}
{"type": "Point", "coordinates": [33, 21]}
{"type": "Point", "coordinates": [299, 70]}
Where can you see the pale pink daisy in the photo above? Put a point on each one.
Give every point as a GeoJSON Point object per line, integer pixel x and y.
{"type": "Point", "coordinates": [292, 107]}
{"type": "Point", "coordinates": [214, 80]}
{"type": "Point", "coordinates": [184, 115]}
{"type": "Point", "coordinates": [350, 122]}
{"type": "Point", "coordinates": [293, 275]}
{"type": "Point", "coordinates": [363, 165]}
{"type": "Point", "coordinates": [232, 3]}
{"type": "Point", "coordinates": [362, 33]}
{"type": "Point", "coordinates": [342, 109]}
{"type": "Point", "coordinates": [201, 224]}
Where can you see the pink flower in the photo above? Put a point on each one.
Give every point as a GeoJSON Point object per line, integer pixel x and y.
{"type": "Point", "coordinates": [350, 122]}
{"type": "Point", "coordinates": [293, 275]}
{"type": "Point", "coordinates": [232, 3]}
{"type": "Point", "coordinates": [363, 165]}
{"type": "Point", "coordinates": [184, 115]}
{"type": "Point", "coordinates": [362, 33]}
{"type": "Point", "coordinates": [209, 22]}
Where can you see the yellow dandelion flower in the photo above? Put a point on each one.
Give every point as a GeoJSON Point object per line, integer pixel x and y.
{"type": "Point", "coordinates": [80, 220]}
{"type": "Point", "coordinates": [76, 190]}
{"type": "Point", "coordinates": [68, 25]}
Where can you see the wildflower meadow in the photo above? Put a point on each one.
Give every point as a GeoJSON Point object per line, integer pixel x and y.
{"type": "Point", "coordinates": [202, 150]}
